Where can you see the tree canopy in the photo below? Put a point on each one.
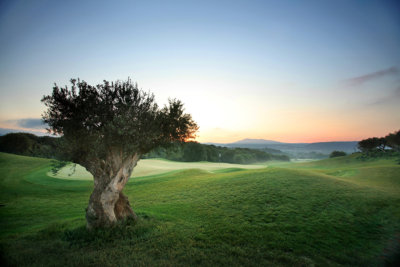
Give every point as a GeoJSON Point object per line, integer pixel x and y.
{"type": "Point", "coordinates": [113, 115]}
{"type": "Point", "coordinates": [393, 140]}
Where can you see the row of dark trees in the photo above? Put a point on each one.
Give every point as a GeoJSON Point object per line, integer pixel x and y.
{"type": "Point", "coordinates": [193, 151]}
{"type": "Point", "coordinates": [381, 144]}
{"type": "Point", "coordinates": [27, 144]}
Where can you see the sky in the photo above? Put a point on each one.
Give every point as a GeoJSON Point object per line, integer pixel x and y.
{"type": "Point", "coordinates": [290, 71]}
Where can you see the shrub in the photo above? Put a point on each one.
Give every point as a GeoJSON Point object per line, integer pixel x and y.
{"type": "Point", "coordinates": [335, 154]}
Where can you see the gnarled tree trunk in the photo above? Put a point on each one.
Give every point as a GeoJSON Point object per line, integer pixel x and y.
{"type": "Point", "coordinates": [107, 204]}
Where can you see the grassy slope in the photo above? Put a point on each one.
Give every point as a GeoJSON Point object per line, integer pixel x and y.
{"type": "Point", "coordinates": [332, 212]}
{"type": "Point", "coordinates": [147, 167]}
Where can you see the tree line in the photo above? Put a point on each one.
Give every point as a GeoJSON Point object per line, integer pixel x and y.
{"type": "Point", "coordinates": [27, 144]}
{"type": "Point", "coordinates": [193, 151]}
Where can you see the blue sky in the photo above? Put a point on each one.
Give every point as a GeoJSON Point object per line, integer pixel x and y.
{"type": "Point", "coordinates": [284, 70]}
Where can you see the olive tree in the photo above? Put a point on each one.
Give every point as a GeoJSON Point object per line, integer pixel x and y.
{"type": "Point", "coordinates": [106, 128]}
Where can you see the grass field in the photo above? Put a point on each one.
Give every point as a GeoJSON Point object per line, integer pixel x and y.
{"type": "Point", "coordinates": [147, 167]}
{"type": "Point", "coordinates": [334, 212]}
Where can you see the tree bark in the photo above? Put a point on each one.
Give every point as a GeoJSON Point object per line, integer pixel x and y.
{"type": "Point", "coordinates": [107, 203]}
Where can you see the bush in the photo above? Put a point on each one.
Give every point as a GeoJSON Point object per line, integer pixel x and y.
{"type": "Point", "coordinates": [335, 154]}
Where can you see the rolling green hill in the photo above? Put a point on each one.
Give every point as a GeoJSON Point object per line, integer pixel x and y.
{"type": "Point", "coordinates": [146, 167]}
{"type": "Point", "coordinates": [340, 211]}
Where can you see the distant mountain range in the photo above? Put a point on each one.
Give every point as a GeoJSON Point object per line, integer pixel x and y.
{"type": "Point", "coordinates": [248, 141]}
{"type": "Point", "coordinates": [294, 148]}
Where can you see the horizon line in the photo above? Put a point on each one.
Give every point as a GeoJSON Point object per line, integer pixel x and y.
{"type": "Point", "coordinates": [43, 132]}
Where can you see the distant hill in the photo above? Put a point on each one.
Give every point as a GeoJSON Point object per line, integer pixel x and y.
{"type": "Point", "coordinates": [295, 149]}
{"type": "Point", "coordinates": [349, 147]}
{"type": "Point", "coordinates": [248, 141]}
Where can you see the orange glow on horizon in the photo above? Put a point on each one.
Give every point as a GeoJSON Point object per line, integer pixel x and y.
{"type": "Point", "coordinates": [225, 136]}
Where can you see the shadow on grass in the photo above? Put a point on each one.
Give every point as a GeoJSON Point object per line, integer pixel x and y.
{"type": "Point", "coordinates": [127, 230]}
{"type": "Point", "coordinates": [391, 254]}
{"type": "Point", "coordinates": [229, 170]}
{"type": "Point", "coordinates": [57, 165]}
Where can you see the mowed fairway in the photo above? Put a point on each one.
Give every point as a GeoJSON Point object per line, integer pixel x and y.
{"type": "Point", "coordinates": [329, 213]}
{"type": "Point", "coordinates": [146, 167]}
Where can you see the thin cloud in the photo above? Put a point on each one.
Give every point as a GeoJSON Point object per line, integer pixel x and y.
{"type": "Point", "coordinates": [372, 76]}
{"type": "Point", "coordinates": [28, 123]}
{"type": "Point", "coordinates": [393, 97]}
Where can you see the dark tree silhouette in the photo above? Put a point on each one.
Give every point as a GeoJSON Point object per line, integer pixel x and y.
{"type": "Point", "coordinates": [393, 140]}
{"type": "Point", "coordinates": [106, 128]}
{"type": "Point", "coordinates": [17, 143]}
{"type": "Point", "coordinates": [336, 153]}
{"type": "Point", "coordinates": [369, 144]}
{"type": "Point", "coordinates": [382, 143]}
{"type": "Point", "coordinates": [194, 151]}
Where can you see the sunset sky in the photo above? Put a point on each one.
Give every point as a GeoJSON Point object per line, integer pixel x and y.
{"type": "Point", "coordinates": [290, 71]}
